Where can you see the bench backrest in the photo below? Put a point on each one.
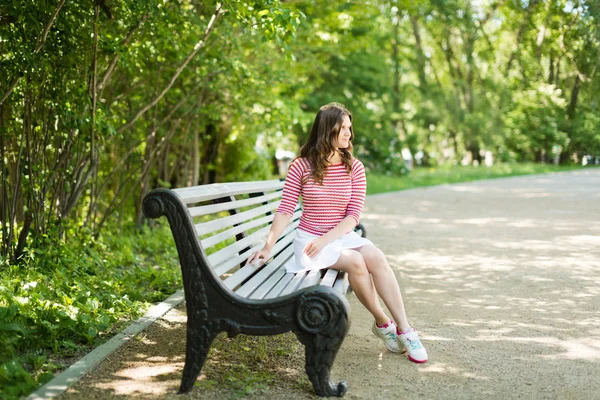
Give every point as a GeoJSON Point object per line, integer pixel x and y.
{"type": "Point", "coordinates": [232, 221]}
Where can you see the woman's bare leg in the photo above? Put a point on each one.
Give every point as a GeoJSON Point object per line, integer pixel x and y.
{"type": "Point", "coordinates": [353, 263]}
{"type": "Point", "coordinates": [386, 284]}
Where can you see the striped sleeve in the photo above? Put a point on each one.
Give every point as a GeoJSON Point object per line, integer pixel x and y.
{"type": "Point", "coordinates": [291, 188]}
{"type": "Point", "coordinates": [359, 190]}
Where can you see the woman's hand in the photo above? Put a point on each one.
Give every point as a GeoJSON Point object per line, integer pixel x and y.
{"type": "Point", "coordinates": [260, 257]}
{"type": "Point", "coordinates": [314, 247]}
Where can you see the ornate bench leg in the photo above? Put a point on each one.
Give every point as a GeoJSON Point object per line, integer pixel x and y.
{"type": "Point", "coordinates": [323, 323]}
{"type": "Point", "coordinates": [199, 339]}
{"type": "Point", "coordinates": [320, 354]}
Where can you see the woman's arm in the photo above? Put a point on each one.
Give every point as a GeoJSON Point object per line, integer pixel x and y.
{"type": "Point", "coordinates": [343, 227]}
{"type": "Point", "coordinates": [289, 199]}
{"type": "Point", "coordinates": [280, 221]}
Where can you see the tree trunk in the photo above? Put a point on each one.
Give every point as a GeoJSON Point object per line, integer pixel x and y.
{"type": "Point", "coordinates": [3, 188]}
{"type": "Point", "coordinates": [420, 54]}
{"type": "Point", "coordinates": [91, 218]}
{"type": "Point", "coordinates": [473, 148]}
{"type": "Point", "coordinates": [551, 70]}
{"type": "Point", "coordinates": [540, 40]}
{"type": "Point", "coordinates": [396, 88]}
{"type": "Point", "coordinates": [196, 157]}
{"type": "Point", "coordinates": [574, 96]}
{"type": "Point", "coordinates": [210, 154]}
{"type": "Point", "coordinates": [520, 35]}
{"type": "Point", "coordinates": [145, 178]}
{"type": "Point", "coordinates": [469, 44]}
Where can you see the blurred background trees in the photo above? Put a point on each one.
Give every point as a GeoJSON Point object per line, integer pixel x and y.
{"type": "Point", "coordinates": [100, 101]}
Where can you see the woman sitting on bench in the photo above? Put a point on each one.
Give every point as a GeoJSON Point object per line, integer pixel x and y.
{"type": "Point", "coordinates": [332, 184]}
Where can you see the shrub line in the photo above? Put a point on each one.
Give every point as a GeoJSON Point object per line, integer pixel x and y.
{"type": "Point", "coordinates": [76, 371]}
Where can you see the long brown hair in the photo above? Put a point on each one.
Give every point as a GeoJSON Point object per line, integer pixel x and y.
{"type": "Point", "coordinates": [322, 141]}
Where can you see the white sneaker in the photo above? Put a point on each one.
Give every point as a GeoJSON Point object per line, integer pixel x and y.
{"type": "Point", "coordinates": [389, 337]}
{"type": "Point", "coordinates": [412, 344]}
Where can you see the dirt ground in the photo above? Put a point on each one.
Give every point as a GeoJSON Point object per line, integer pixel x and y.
{"type": "Point", "coordinates": [500, 277]}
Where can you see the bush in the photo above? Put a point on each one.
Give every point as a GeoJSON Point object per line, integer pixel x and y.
{"type": "Point", "coordinates": [64, 298]}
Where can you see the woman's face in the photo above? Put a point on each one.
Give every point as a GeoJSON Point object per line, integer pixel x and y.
{"type": "Point", "coordinates": [344, 136]}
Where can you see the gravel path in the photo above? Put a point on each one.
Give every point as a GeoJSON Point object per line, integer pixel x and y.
{"type": "Point", "coordinates": [501, 277]}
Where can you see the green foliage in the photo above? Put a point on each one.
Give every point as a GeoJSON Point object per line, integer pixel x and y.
{"type": "Point", "coordinates": [585, 136]}
{"type": "Point", "coordinates": [277, 23]}
{"type": "Point", "coordinates": [533, 125]}
{"type": "Point", "coordinates": [62, 299]}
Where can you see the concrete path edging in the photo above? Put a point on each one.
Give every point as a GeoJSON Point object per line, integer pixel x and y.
{"type": "Point", "coordinates": [76, 371]}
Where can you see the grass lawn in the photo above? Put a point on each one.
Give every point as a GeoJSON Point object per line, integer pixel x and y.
{"type": "Point", "coordinates": [421, 176]}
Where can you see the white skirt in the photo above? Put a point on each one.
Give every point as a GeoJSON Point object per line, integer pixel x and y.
{"type": "Point", "coordinates": [326, 257]}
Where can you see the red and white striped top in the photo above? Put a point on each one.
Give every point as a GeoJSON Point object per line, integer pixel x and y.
{"type": "Point", "coordinates": [324, 206]}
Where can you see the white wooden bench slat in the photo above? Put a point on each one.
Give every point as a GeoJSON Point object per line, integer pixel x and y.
{"type": "Point", "coordinates": [311, 279]}
{"type": "Point", "coordinates": [235, 261]}
{"type": "Point", "coordinates": [329, 278]}
{"type": "Point", "coordinates": [287, 237]}
{"type": "Point", "coordinates": [239, 276]}
{"type": "Point", "coordinates": [268, 284]}
{"type": "Point", "coordinates": [221, 223]}
{"type": "Point", "coordinates": [275, 292]}
{"type": "Point", "coordinates": [244, 273]}
{"type": "Point", "coordinates": [239, 245]}
{"type": "Point", "coordinates": [294, 283]}
{"type": "Point", "coordinates": [248, 288]}
{"type": "Point", "coordinates": [219, 237]}
{"type": "Point", "coordinates": [200, 193]}
{"type": "Point", "coordinates": [341, 283]}
{"type": "Point", "coordinates": [230, 205]}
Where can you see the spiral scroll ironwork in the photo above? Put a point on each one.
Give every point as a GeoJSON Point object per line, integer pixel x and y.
{"type": "Point", "coordinates": [314, 313]}
{"type": "Point", "coordinates": [153, 207]}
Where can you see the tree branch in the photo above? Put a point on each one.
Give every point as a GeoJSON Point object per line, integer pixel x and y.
{"type": "Point", "coordinates": [47, 29]}
{"type": "Point", "coordinates": [94, 99]}
{"type": "Point", "coordinates": [41, 42]}
{"type": "Point", "coordinates": [117, 200]}
{"type": "Point", "coordinates": [198, 46]}
{"type": "Point", "coordinates": [111, 67]}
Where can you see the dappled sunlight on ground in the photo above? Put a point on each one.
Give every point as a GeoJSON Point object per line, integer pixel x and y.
{"type": "Point", "coordinates": [148, 367]}
{"type": "Point", "coordinates": [441, 368]}
{"type": "Point", "coordinates": [501, 279]}
{"type": "Point", "coordinates": [137, 381]}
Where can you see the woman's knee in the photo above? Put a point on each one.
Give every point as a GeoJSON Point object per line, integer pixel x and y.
{"type": "Point", "coordinates": [374, 258]}
{"type": "Point", "coordinates": [354, 263]}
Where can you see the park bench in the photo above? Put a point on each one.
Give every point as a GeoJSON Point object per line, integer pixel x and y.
{"type": "Point", "coordinates": [216, 228]}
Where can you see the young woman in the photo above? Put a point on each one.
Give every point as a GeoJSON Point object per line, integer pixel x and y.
{"type": "Point", "coordinates": [332, 184]}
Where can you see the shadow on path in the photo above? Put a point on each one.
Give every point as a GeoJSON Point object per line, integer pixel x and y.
{"type": "Point", "coordinates": [501, 277]}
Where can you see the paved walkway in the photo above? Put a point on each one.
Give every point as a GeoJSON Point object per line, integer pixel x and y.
{"type": "Point", "coordinates": [501, 277]}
